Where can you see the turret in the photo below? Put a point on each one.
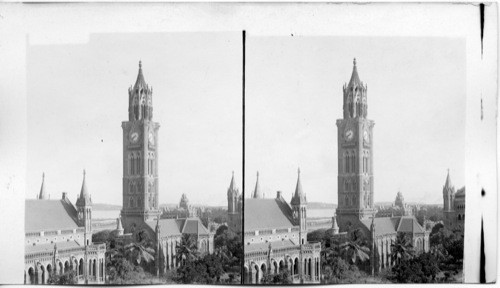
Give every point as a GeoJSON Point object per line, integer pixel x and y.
{"type": "Point", "coordinates": [119, 227]}
{"type": "Point", "coordinates": [140, 99]}
{"type": "Point", "coordinates": [42, 195]}
{"type": "Point", "coordinates": [84, 208]}
{"type": "Point", "coordinates": [232, 197]}
{"type": "Point", "coordinates": [184, 203]}
{"type": "Point", "coordinates": [335, 227]}
{"type": "Point", "coordinates": [448, 194]}
{"type": "Point", "coordinates": [299, 207]}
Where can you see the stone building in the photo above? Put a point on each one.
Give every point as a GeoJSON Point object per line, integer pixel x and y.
{"type": "Point", "coordinates": [355, 180]}
{"type": "Point", "coordinates": [275, 238]}
{"type": "Point", "coordinates": [58, 238]}
{"type": "Point", "coordinates": [453, 207]}
{"type": "Point", "coordinates": [399, 208]}
{"type": "Point", "coordinates": [140, 212]}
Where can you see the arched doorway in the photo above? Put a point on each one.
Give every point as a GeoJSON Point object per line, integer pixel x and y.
{"type": "Point", "coordinates": [49, 272]}
{"type": "Point", "coordinates": [66, 266]}
{"type": "Point", "coordinates": [296, 267]}
{"type": "Point", "coordinates": [42, 274]}
{"type": "Point", "coordinates": [31, 276]}
{"type": "Point", "coordinates": [282, 265]}
{"type": "Point", "coordinates": [257, 274]}
{"type": "Point", "coordinates": [275, 266]}
{"type": "Point", "coordinates": [245, 275]}
{"type": "Point", "coordinates": [80, 267]}
{"type": "Point", "coordinates": [60, 271]}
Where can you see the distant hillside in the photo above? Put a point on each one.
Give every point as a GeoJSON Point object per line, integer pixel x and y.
{"type": "Point", "coordinates": [320, 205]}
{"type": "Point", "coordinates": [101, 206]}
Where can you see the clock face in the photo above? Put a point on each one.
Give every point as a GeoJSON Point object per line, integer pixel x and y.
{"type": "Point", "coordinates": [151, 138]}
{"type": "Point", "coordinates": [349, 134]}
{"type": "Point", "coordinates": [134, 137]}
{"type": "Point", "coordinates": [366, 136]}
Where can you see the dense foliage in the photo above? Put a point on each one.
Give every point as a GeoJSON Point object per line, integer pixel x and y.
{"type": "Point", "coordinates": [283, 277]}
{"type": "Point", "coordinates": [67, 278]}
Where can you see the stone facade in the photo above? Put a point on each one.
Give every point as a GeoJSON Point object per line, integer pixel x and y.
{"type": "Point", "coordinates": [140, 212]}
{"type": "Point", "coordinates": [58, 238]}
{"type": "Point", "coordinates": [453, 207]}
{"type": "Point", "coordinates": [275, 238]}
{"type": "Point", "coordinates": [355, 181]}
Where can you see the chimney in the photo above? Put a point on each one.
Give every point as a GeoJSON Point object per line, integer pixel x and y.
{"type": "Point", "coordinates": [64, 195]}
{"type": "Point", "coordinates": [278, 195]}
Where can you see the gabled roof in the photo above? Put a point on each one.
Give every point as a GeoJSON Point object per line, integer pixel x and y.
{"type": "Point", "coordinates": [392, 225]}
{"type": "Point", "coordinates": [168, 227]}
{"type": "Point", "coordinates": [409, 225]}
{"type": "Point", "coordinates": [383, 225]}
{"type": "Point", "coordinates": [49, 215]}
{"type": "Point", "coordinates": [263, 214]}
{"type": "Point", "coordinates": [175, 227]}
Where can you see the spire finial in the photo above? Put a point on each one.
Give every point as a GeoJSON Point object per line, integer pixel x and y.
{"type": "Point", "coordinates": [257, 174]}
{"type": "Point", "coordinates": [233, 173]}
{"type": "Point", "coordinates": [43, 176]}
{"type": "Point", "coordinates": [354, 61]}
{"type": "Point", "coordinates": [84, 173]}
{"type": "Point", "coordinates": [298, 171]}
{"type": "Point", "coordinates": [140, 64]}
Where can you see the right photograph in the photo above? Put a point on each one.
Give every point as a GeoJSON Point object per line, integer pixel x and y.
{"type": "Point", "coordinates": [354, 159]}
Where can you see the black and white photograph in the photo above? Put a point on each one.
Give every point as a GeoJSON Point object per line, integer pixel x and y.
{"type": "Point", "coordinates": [350, 116]}
{"type": "Point", "coordinates": [154, 201]}
{"type": "Point", "coordinates": [254, 144]}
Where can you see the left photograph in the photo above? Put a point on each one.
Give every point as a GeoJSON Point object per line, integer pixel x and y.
{"type": "Point", "coordinates": [133, 164]}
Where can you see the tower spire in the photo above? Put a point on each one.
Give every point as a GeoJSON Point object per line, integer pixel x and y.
{"type": "Point", "coordinates": [256, 193]}
{"type": "Point", "coordinates": [298, 197]}
{"type": "Point", "coordinates": [84, 199]}
{"type": "Point", "coordinates": [43, 194]}
{"type": "Point", "coordinates": [354, 77]}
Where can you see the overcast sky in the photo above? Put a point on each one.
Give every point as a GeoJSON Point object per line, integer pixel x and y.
{"type": "Point", "coordinates": [78, 97]}
{"type": "Point", "coordinates": [416, 96]}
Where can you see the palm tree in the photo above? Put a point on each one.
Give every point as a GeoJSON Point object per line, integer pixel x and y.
{"type": "Point", "coordinates": [186, 250]}
{"type": "Point", "coordinates": [355, 247]}
{"type": "Point", "coordinates": [401, 249]}
{"type": "Point", "coordinates": [139, 252]}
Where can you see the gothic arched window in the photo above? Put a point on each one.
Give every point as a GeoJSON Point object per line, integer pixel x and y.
{"type": "Point", "coordinates": [353, 162]}
{"type": "Point", "coordinates": [346, 200]}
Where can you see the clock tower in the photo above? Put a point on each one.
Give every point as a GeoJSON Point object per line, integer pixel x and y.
{"type": "Point", "coordinates": [355, 156]}
{"type": "Point", "coordinates": [140, 158]}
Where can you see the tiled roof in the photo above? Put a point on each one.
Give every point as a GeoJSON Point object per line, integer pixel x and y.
{"type": "Point", "coordinates": [47, 215]}
{"type": "Point", "coordinates": [409, 225]}
{"type": "Point", "coordinates": [383, 225]}
{"type": "Point", "coordinates": [391, 225]}
{"type": "Point", "coordinates": [263, 214]}
{"type": "Point", "coordinates": [274, 245]}
{"type": "Point", "coordinates": [173, 227]}
{"type": "Point", "coordinates": [168, 227]}
{"type": "Point", "coordinates": [49, 247]}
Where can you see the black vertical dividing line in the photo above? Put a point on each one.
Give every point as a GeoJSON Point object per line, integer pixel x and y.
{"type": "Point", "coordinates": [482, 257]}
{"type": "Point", "coordinates": [481, 12]}
{"type": "Point", "coordinates": [243, 34]}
